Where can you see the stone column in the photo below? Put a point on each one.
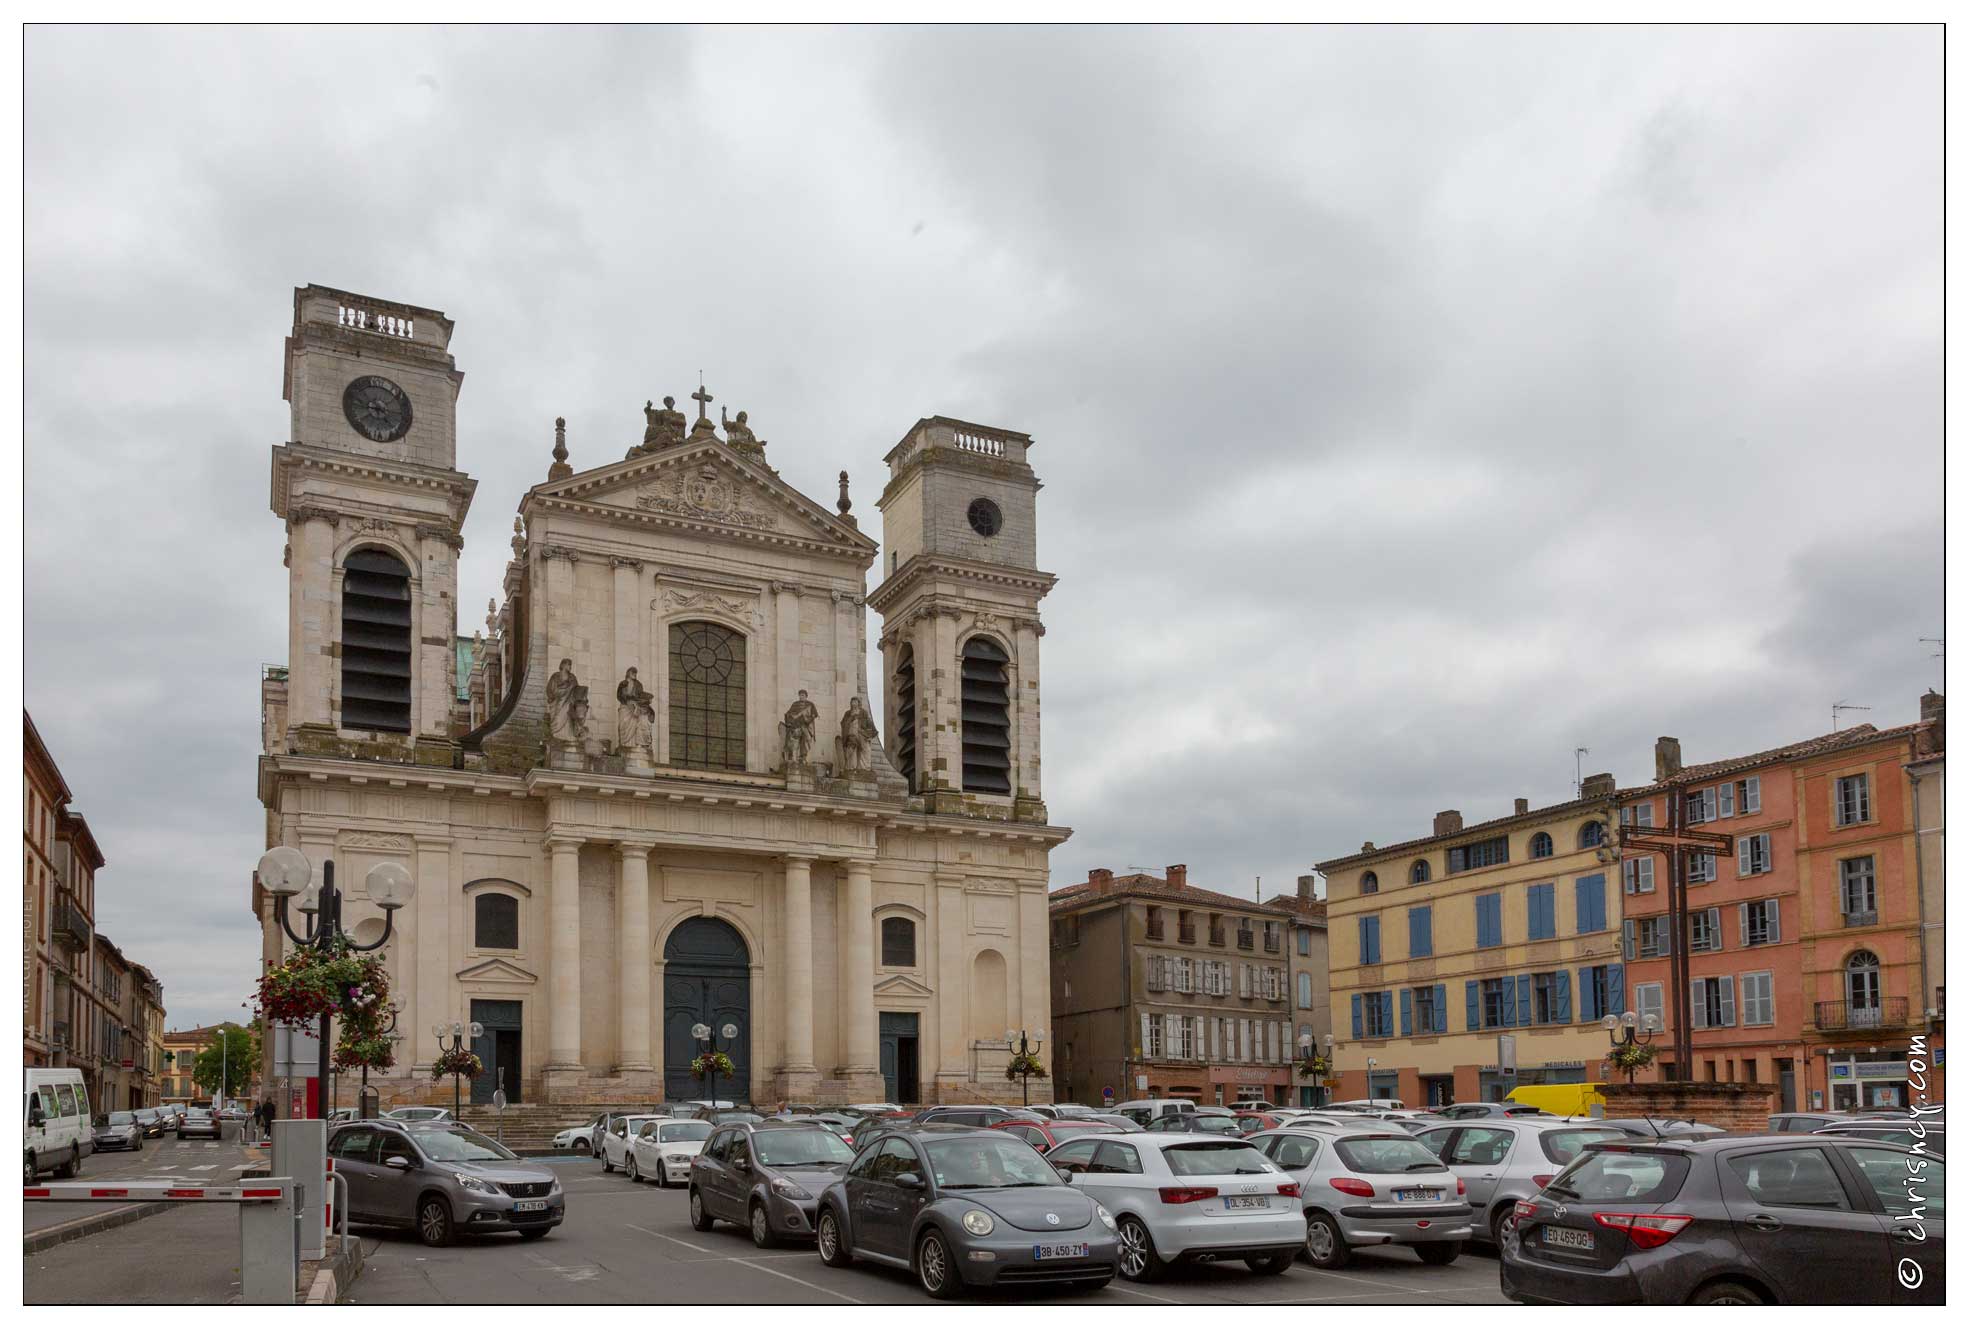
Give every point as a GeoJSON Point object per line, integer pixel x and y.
{"type": "Point", "coordinates": [632, 954]}
{"type": "Point", "coordinates": [859, 1052]}
{"type": "Point", "coordinates": [798, 971]}
{"type": "Point", "coordinates": [564, 960]}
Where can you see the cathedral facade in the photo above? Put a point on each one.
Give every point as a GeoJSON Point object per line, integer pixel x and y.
{"type": "Point", "coordinates": [654, 794]}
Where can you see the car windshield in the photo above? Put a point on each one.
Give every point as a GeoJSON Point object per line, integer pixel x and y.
{"type": "Point", "coordinates": [1063, 1129]}
{"type": "Point", "coordinates": [461, 1147]}
{"type": "Point", "coordinates": [975, 1161]}
{"type": "Point", "coordinates": [1621, 1174]}
{"type": "Point", "coordinates": [1215, 1125]}
{"type": "Point", "coordinates": [1564, 1146]}
{"type": "Point", "coordinates": [793, 1148]}
{"type": "Point", "coordinates": [676, 1131]}
{"type": "Point", "coordinates": [727, 1118]}
{"type": "Point", "coordinates": [1216, 1158]}
{"type": "Point", "coordinates": [121, 1118]}
{"type": "Point", "coordinates": [1386, 1153]}
{"type": "Point", "coordinates": [199, 1112]}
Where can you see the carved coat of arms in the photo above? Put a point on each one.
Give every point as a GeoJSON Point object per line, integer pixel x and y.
{"type": "Point", "coordinates": [705, 492]}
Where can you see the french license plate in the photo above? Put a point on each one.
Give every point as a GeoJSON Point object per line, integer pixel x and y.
{"type": "Point", "coordinates": [1246, 1202]}
{"type": "Point", "coordinates": [1425, 1193]}
{"type": "Point", "coordinates": [1066, 1250]}
{"type": "Point", "coordinates": [529, 1206]}
{"type": "Point", "coordinates": [1571, 1238]}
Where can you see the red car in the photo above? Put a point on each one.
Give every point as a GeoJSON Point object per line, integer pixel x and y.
{"type": "Point", "coordinates": [1043, 1135]}
{"type": "Point", "coordinates": [1250, 1123]}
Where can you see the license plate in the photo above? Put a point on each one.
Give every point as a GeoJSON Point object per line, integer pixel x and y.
{"type": "Point", "coordinates": [529, 1206]}
{"type": "Point", "coordinates": [1571, 1238]}
{"type": "Point", "coordinates": [1246, 1202]}
{"type": "Point", "coordinates": [1423, 1194]}
{"type": "Point", "coordinates": [1068, 1250]}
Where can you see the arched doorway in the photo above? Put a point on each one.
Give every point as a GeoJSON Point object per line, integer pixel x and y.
{"type": "Point", "coordinates": [707, 978]}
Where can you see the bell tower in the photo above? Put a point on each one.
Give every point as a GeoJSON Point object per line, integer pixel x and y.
{"type": "Point", "coordinates": [960, 613]}
{"type": "Point", "coordinates": [373, 503]}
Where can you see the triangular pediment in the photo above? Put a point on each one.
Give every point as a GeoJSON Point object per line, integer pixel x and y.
{"type": "Point", "coordinates": [901, 985]}
{"type": "Point", "coordinates": [496, 971]}
{"type": "Point", "coordinates": [705, 484]}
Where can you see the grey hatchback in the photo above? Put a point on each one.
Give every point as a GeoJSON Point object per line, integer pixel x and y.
{"type": "Point", "coordinates": [442, 1179]}
{"type": "Point", "coordinates": [766, 1176]}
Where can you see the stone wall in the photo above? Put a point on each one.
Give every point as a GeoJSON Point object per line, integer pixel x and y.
{"type": "Point", "coordinates": [1740, 1106]}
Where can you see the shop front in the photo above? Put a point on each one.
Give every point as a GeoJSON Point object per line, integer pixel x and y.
{"type": "Point", "coordinates": [1864, 1080]}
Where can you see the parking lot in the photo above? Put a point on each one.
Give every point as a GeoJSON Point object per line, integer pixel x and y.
{"type": "Point", "coordinates": [625, 1242]}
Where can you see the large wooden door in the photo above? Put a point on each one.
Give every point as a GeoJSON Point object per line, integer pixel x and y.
{"type": "Point", "coordinates": [498, 1049]}
{"type": "Point", "coordinates": [707, 979]}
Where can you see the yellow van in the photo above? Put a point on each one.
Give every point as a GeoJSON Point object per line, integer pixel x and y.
{"type": "Point", "coordinates": [1562, 1100]}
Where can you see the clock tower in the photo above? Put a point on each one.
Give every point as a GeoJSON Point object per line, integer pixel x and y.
{"type": "Point", "coordinates": [373, 504]}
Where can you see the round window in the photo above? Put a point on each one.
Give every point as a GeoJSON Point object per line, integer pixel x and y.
{"type": "Point", "coordinates": [986, 519]}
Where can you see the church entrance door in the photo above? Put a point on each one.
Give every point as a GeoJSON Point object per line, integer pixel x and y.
{"type": "Point", "coordinates": [498, 1050]}
{"type": "Point", "coordinates": [707, 979]}
{"type": "Point", "coordinates": [899, 1056]}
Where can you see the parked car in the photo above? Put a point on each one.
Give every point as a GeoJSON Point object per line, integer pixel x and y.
{"type": "Point", "coordinates": [1177, 1197]}
{"type": "Point", "coordinates": [441, 1179]}
{"type": "Point", "coordinates": [727, 1116]}
{"type": "Point", "coordinates": [613, 1145]}
{"type": "Point", "coordinates": [843, 1124]}
{"type": "Point", "coordinates": [119, 1130]}
{"type": "Point", "coordinates": [1358, 1104]}
{"type": "Point", "coordinates": [410, 1114]}
{"type": "Point", "coordinates": [1474, 1111]}
{"type": "Point", "coordinates": [1371, 1185]}
{"type": "Point", "coordinates": [1043, 1135]}
{"type": "Point", "coordinates": [201, 1122]}
{"type": "Point", "coordinates": [56, 1117]}
{"type": "Point", "coordinates": [663, 1147]}
{"type": "Point", "coordinates": [1142, 1111]}
{"type": "Point", "coordinates": [1731, 1220]}
{"type": "Point", "coordinates": [1928, 1136]}
{"type": "Point", "coordinates": [156, 1121]}
{"type": "Point", "coordinates": [1251, 1105]}
{"type": "Point", "coordinates": [581, 1138]}
{"type": "Point", "coordinates": [1502, 1160]}
{"type": "Point", "coordinates": [973, 1114]}
{"type": "Point", "coordinates": [1655, 1128]}
{"type": "Point", "coordinates": [961, 1208]}
{"type": "Point", "coordinates": [765, 1176]}
{"type": "Point", "coordinates": [1195, 1123]}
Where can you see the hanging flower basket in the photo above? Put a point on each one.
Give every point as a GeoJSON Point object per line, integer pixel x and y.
{"type": "Point", "coordinates": [356, 1053]}
{"type": "Point", "coordinates": [1316, 1066]}
{"type": "Point", "coordinates": [1631, 1057]}
{"type": "Point", "coordinates": [712, 1061]}
{"type": "Point", "coordinates": [1023, 1068]}
{"type": "Point", "coordinates": [327, 979]}
{"type": "Point", "coordinates": [458, 1061]}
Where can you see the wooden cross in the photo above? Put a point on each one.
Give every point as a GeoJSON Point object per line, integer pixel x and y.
{"type": "Point", "coordinates": [703, 399]}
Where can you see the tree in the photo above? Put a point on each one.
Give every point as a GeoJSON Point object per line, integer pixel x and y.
{"type": "Point", "coordinates": [236, 1056]}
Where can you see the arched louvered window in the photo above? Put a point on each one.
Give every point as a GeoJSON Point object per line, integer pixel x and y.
{"type": "Point", "coordinates": [905, 732]}
{"type": "Point", "coordinates": [1592, 835]}
{"type": "Point", "coordinates": [375, 642]}
{"type": "Point", "coordinates": [1541, 845]}
{"type": "Point", "coordinates": [707, 697]}
{"type": "Point", "coordinates": [1370, 883]}
{"type": "Point", "coordinates": [1418, 872]}
{"type": "Point", "coordinates": [987, 718]}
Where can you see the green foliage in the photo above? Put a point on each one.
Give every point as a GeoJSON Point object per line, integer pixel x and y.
{"type": "Point", "coordinates": [458, 1061]}
{"type": "Point", "coordinates": [1632, 1057]}
{"type": "Point", "coordinates": [712, 1061]}
{"type": "Point", "coordinates": [232, 1049]}
{"type": "Point", "coordinates": [1023, 1067]}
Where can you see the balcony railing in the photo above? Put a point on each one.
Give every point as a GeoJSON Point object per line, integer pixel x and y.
{"type": "Point", "coordinates": [1862, 918]}
{"type": "Point", "coordinates": [1890, 1013]}
{"type": "Point", "coordinates": [69, 924]}
{"type": "Point", "coordinates": [1155, 930]}
{"type": "Point", "coordinates": [1216, 936]}
{"type": "Point", "coordinates": [1244, 940]}
{"type": "Point", "coordinates": [1272, 944]}
{"type": "Point", "coordinates": [1186, 933]}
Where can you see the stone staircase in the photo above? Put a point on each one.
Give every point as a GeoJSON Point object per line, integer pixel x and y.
{"type": "Point", "coordinates": [529, 1128]}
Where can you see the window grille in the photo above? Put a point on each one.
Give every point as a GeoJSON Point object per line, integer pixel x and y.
{"type": "Point", "coordinates": [707, 697]}
{"type": "Point", "coordinates": [987, 718]}
{"type": "Point", "coordinates": [376, 642]}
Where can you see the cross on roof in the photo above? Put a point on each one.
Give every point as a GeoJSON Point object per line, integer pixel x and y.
{"type": "Point", "coordinates": [702, 398]}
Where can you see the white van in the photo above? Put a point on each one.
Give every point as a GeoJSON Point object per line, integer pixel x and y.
{"type": "Point", "coordinates": [1145, 1110]}
{"type": "Point", "coordinates": [58, 1126]}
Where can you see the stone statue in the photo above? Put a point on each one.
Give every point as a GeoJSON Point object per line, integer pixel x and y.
{"type": "Point", "coordinates": [796, 732]}
{"type": "Point", "coordinates": [664, 427]}
{"type": "Point", "coordinates": [577, 711]}
{"type": "Point", "coordinates": [857, 734]}
{"type": "Point", "coordinates": [739, 435]}
{"type": "Point", "coordinates": [563, 726]}
{"type": "Point", "coordinates": [635, 714]}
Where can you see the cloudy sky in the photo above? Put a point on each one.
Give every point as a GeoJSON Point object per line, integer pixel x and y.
{"type": "Point", "coordinates": [1413, 406]}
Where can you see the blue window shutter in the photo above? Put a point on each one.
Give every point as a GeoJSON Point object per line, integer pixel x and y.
{"type": "Point", "coordinates": [1357, 1015]}
{"type": "Point", "coordinates": [1509, 1015]}
{"type": "Point", "coordinates": [1442, 1010]}
{"type": "Point", "coordinates": [1616, 982]}
{"type": "Point", "coordinates": [1562, 997]}
{"type": "Point", "coordinates": [1589, 997]}
{"type": "Point", "coordinates": [1524, 999]}
{"type": "Point", "coordinates": [1408, 1017]}
{"type": "Point", "coordinates": [1590, 903]}
{"type": "Point", "coordinates": [1472, 1014]}
{"type": "Point", "coordinates": [1387, 1011]}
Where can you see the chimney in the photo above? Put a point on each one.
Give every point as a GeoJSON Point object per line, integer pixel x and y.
{"type": "Point", "coordinates": [1102, 880]}
{"type": "Point", "coordinates": [1367, 846]}
{"type": "Point", "coordinates": [1520, 806]}
{"type": "Point", "coordinates": [1177, 874]}
{"type": "Point", "coordinates": [1935, 739]}
{"type": "Point", "coordinates": [1598, 786]}
{"type": "Point", "coordinates": [1307, 893]}
{"type": "Point", "coordinates": [1668, 758]}
{"type": "Point", "coordinates": [1448, 823]}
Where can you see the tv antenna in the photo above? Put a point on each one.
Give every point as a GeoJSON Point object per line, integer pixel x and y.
{"type": "Point", "coordinates": [1578, 776]}
{"type": "Point", "coordinates": [1839, 706]}
{"type": "Point", "coordinates": [1940, 653]}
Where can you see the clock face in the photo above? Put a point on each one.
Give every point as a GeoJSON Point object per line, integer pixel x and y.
{"type": "Point", "coordinates": [985, 517]}
{"type": "Point", "coordinates": [377, 408]}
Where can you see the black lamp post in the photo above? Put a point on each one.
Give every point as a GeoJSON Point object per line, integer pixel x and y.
{"type": "Point", "coordinates": [707, 1044]}
{"type": "Point", "coordinates": [1023, 1047]}
{"type": "Point", "coordinates": [362, 1095]}
{"type": "Point", "coordinates": [1621, 1034]}
{"type": "Point", "coordinates": [460, 1032]}
{"type": "Point", "coordinates": [286, 872]}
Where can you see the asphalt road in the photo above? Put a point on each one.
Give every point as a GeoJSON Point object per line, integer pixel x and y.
{"type": "Point", "coordinates": [629, 1243]}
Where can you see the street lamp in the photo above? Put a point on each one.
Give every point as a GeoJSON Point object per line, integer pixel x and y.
{"type": "Point", "coordinates": [1024, 1048]}
{"type": "Point", "coordinates": [285, 872]}
{"type": "Point", "coordinates": [459, 1031]}
{"type": "Point", "coordinates": [362, 1095]}
{"type": "Point", "coordinates": [1620, 1034]}
{"type": "Point", "coordinates": [707, 1045]}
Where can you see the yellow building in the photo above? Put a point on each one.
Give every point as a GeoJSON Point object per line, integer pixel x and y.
{"type": "Point", "coordinates": [1441, 945]}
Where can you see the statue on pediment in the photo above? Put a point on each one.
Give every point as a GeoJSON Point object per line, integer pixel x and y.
{"type": "Point", "coordinates": [664, 427]}
{"type": "Point", "coordinates": [564, 723]}
{"type": "Point", "coordinates": [858, 734]}
{"type": "Point", "coordinates": [739, 436]}
{"type": "Point", "coordinates": [796, 732]}
{"type": "Point", "coordinates": [635, 714]}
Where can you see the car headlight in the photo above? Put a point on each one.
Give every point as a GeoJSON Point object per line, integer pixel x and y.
{"type": "Point", "coordinates": [978, 1223]}
{"type": "Point", "coordinates": [679, 1159]}
{"type": "Point", "coordinates": [783, 1187]}
{"type": "Point", "coordinates": [477, 1185]}
{"type": "Point", "coordinates": [1107, 1219]}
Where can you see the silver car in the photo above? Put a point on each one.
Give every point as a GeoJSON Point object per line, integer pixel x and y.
{"type": "Point", "coordinates": [1371, 1185]}
{"type": "Point", "coordinates": [1502, 1160]}
{"type": "Point", "coordinates": [442, 1180]}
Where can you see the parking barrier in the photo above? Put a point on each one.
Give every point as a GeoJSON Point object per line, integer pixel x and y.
{"type": "Point", "coordinates": [267, 1256]}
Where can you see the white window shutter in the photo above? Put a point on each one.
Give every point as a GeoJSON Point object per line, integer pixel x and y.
{"type": "Point", "coordinates": [1727, 986]}
{"type": "Point", "coordinates": [1771, 913]}
{"type": "Point", "coordinates": [1145, 1032]}
{"type": "Point", "coordinates": [1743, 856]}
{"type": "Point", "coordinates": [1726, 799]}
{"type": "Point", "coordinates": [1196, 1032]}
{"type": "Point", "coordinates": [1698, 1016]}
{"type": "Point", "coordinates": [1743, 925]}
{"type": "Point", "coordinates": [1753, 794]}
{"type": "Point", "coordinates": [1709, 805]}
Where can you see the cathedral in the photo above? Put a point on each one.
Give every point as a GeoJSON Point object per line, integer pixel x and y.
{"type": "Point", "coordinates": [654, 794]}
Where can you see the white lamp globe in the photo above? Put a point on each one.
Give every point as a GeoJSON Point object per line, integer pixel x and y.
{"type": "Point", "coordinates": [285, 871]}
{"type": "Point", "coordinates": [729, 1031]}
{"type": "Point", "coordinates": [390, 885]}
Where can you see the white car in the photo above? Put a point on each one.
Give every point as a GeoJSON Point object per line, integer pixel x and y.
{"type": "Point", "coordinates": [613, 1149]}
{"type": "Point", "coordinates": [419, 1114]}
{"type": "Point", "coordinates": [1181, 1198]}
{"type": "Point", "coordinates": [663, 1148]}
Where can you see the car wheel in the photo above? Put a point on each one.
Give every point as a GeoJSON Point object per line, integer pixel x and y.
{"type": "Point", "coordinates": [33, 1173]}
{"type": "Point", "coordinates": [635, 1174]}
{"type": "Point", "coordinates": [762, 1228]}
{"type": "Point", "coordinates": [533, 1233]}
{"type": "Point", "coordinates": [581, 1147]}
{"type": "Point", "coordinates": [434, 1221]}
{"type": "Point", "coordinates": [1439, 1252]}
{"type": "Point", "coordinates": [1726, 1294]}
{"type": "Point", "coordinates": [936, 1272]}
{"type": "Point", "coordinates": [1498, 1219]}
{"type": "Point", "coordinates": [700, 1216]}
{"type": "Point", "coordinates": [72, 1166]}
{"type": "Point", "coordinates": [1139, 1262]}
{"type": "Point", "coordinates": [1273, 1264]}
{"type": "Point", "coordinates": [828, 1242]}
{"type": "Point", "coordinates": [1325, 1247]}
{"type": "Point", "coordinates": [607, 1166]}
